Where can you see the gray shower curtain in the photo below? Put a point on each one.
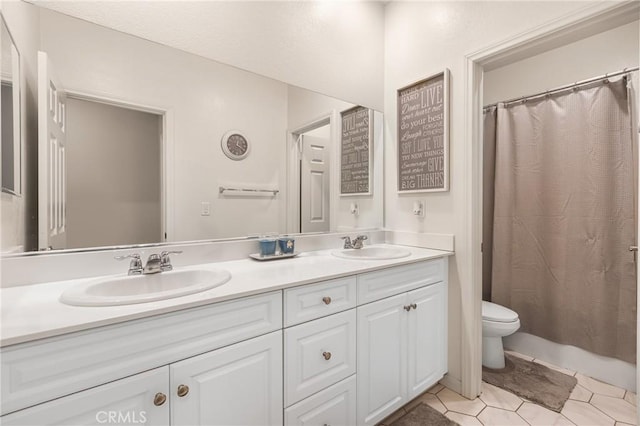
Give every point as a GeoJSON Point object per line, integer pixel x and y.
{"type": "Point", "coordinates": [564, 218]}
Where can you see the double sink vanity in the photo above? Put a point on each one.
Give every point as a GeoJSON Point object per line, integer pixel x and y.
{"type": "Point", "coordinates": [330, 337]}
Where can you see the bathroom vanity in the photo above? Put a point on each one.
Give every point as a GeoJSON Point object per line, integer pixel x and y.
{"type": "Point", "coordinates": [280, 343]}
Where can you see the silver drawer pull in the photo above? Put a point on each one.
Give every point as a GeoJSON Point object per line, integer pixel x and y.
{"type": "Point", "coordinates": [326, 355]}
{"type": "Point", "coordinates": [326, 300]}
{"type": "Point", "coordinates": [407, 308]}
{"type": "Point", "coordinates": [414, 306]}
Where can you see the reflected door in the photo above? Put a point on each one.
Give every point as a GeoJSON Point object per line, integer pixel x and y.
{"type": "Point", "coordinates": [314, 181]}
{"type": "Point", "coordinates": [52, 209]}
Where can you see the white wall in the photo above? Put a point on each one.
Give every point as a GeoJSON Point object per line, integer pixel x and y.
{"type": "Point", "coordinates": [421, 39]}
{"type": "Point", "coordinates": [205, 100]}
{"type": "Point", "coordinates": [329, 47]}
{"type": "Point", "coordinates": [19, 228]}
{"type": "Point", "coordinates": [602, 53]}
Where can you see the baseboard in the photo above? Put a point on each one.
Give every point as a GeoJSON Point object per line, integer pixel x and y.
{"type": "Point", "coordinates": [605, 369]}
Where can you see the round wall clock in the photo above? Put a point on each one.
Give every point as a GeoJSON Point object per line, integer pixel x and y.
{"type": "Point", "coordinates": [235, 145]}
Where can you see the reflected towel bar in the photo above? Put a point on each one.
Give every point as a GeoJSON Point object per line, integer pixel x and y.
{"type": "Point", "coordinates": [273, 192]}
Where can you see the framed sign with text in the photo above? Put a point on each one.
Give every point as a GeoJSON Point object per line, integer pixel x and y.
{"type": "Point", "coordinates": [356, 151]}
{"type": "Point", "coordinates": [423, 135]}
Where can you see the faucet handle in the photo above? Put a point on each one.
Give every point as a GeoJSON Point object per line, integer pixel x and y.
{"type": "Point", "coordinates": [135, 266]}
{"type": "Point", "coordinates": [347, 242]}
{"type": "Point", "coordinates": [165, 260]}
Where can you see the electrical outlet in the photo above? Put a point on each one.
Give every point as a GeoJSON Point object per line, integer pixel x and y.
{"type": "Point", "coordinates": [355, 209]}
{"type": "Point", "coordinates": [205, 208]}
{"type": "Point", "coordinates": [418, 208]}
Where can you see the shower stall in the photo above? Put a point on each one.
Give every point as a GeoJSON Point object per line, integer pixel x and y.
{"type": "Point", "coordinates": [560, 214]}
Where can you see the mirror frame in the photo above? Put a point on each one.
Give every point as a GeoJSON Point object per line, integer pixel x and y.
{"type": "Point", "coordinates": [16, 79]}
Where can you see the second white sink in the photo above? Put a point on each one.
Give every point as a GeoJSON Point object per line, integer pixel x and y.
{"type": "Point", "coordinates": [372, 253]}
{"type": "Point", "coordinates": [130, 289]}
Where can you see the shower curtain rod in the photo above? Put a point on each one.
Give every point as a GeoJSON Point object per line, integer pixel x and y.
{"type": "Point", "coordinates": [565, 87]}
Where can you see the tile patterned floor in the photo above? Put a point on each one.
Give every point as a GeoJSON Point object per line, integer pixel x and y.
{"type": "Point", "coordinates": [592, 403]}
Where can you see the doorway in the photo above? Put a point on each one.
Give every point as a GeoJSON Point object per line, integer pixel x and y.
{"type": "Point", "coordinates": [310, 175]}
{"type": "Point", "coordinates": [114, 176]}
{"type": "Point", "coordinates": [592, 19]}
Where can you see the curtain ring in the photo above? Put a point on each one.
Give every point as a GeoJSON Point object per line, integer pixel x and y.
{"type": "Point", "coordinates": [546, 94]}
{"type": "Point", "coordinates": [606, 80]}
{"type": "Point", "coordinates": [575, 86]}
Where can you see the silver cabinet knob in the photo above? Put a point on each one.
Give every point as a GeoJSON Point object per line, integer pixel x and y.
{"type": "Point", "coordinates": [183, 390]}
{"type": "Point", "coordinates": [407, 308]}
{"type": "Point", "coordinates": [159, 399]}
{"type": "Point", "coordinates": [326, 355]}
{"type": "Point", "coordinates": [414, 306]}
{"type": "Point", "coordinates": [326, 300]}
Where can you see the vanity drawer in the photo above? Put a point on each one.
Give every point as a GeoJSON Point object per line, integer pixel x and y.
{"type": "Point", "coordinates": [399, 279]}
{"type": "Point", "coordinates": [42, 370]}
{"type": "Point", "coordinates": [318, 354]}
{"type": "Point", "coordinates": [334, 406]}
{"type": "Point", "coordinates": [318, 300]}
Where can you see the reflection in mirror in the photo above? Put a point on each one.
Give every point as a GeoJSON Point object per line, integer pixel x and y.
{"type": "Point", "coordinates": [161, 145]}
{"type": "Point", "coordinates": [10, 110]}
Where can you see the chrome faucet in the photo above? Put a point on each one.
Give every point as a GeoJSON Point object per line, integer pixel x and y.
{"type": "Point", "coordinates": [155, 263]}
{"type": "Point", "coordinates": [356, 243]}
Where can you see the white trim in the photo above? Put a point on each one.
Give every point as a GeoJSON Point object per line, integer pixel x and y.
{"type": "Point", "coordinates": [167, 165]}
{"type": "Point", "coordinates": [543, 37]}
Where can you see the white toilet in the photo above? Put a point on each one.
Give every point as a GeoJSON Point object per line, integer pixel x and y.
{"type": "Point", "coordinates": [497, 322]}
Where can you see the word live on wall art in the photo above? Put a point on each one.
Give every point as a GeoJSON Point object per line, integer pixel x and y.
{"type": "Point", "coordinates": [423, 135]}
{"type": "Point", "coordinates": [355, 151]}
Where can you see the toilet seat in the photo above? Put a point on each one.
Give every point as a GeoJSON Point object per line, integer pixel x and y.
{"type": "Point", "coordinates": [497, 313]}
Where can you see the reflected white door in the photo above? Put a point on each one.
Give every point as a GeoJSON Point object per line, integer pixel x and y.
{"type": "Point", "coordinates": [52, 209]}
{"type": "Point", "coordinates": [314, 181]}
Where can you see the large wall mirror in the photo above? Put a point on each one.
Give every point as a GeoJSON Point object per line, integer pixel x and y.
{"type": "Point", "coordinates": [10, 110]}
{"type": "Point", "coordinates": [144, 143]}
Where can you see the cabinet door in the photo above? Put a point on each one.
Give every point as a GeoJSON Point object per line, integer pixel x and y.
{"type": "Point", "coordinates": [382, 358]}
{"type": "Point", "coordinates": [240, 384]}
{"type": "Point", "coordinates": [125, 401]}
{"type": "Point", "coordinates": [427, 331]}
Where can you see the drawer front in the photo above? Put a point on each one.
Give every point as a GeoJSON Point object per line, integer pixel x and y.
{"type": "Point", "coordinates": [318, 354]}
{"type": "Point", "coordinates": [39, 371]}
{"type": "Point", "coordinates": [309, 302]}
{"type": "Point", "coordinates": [335, 406]}
{"type": "Point", "coordinates": [377, 285]}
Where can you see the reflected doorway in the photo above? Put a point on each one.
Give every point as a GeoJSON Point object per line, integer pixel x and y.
{"type": "Point", "coordinates": [114, 178]}
{"type": "Point", "coordinates": [309, 170]}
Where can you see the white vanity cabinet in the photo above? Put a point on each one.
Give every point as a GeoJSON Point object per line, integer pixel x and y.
{"type": "Point", "coordinates": [402, 339]}
{"type": "Point", "coordinates": [240, 384]}
{"type": "Point", "coordinates": [346, 351]}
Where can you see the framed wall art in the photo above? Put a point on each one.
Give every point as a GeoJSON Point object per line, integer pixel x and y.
{"type": "Point", "coordinates": [423, 135]}
{"type": "Point", "coordinates": [356, 152]}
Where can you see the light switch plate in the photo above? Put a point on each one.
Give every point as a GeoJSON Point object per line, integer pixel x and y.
{"type": "Point", "coordinates": [205, 208]}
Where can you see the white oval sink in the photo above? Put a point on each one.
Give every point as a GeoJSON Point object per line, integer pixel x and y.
{"type": "Point", "coordinates": [372, 253]}
{"type": "Point", "coordinates": [130, 289]}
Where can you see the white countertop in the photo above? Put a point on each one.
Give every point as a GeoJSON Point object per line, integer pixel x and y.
{"type": "Point", "coordinates": [32, 312]}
